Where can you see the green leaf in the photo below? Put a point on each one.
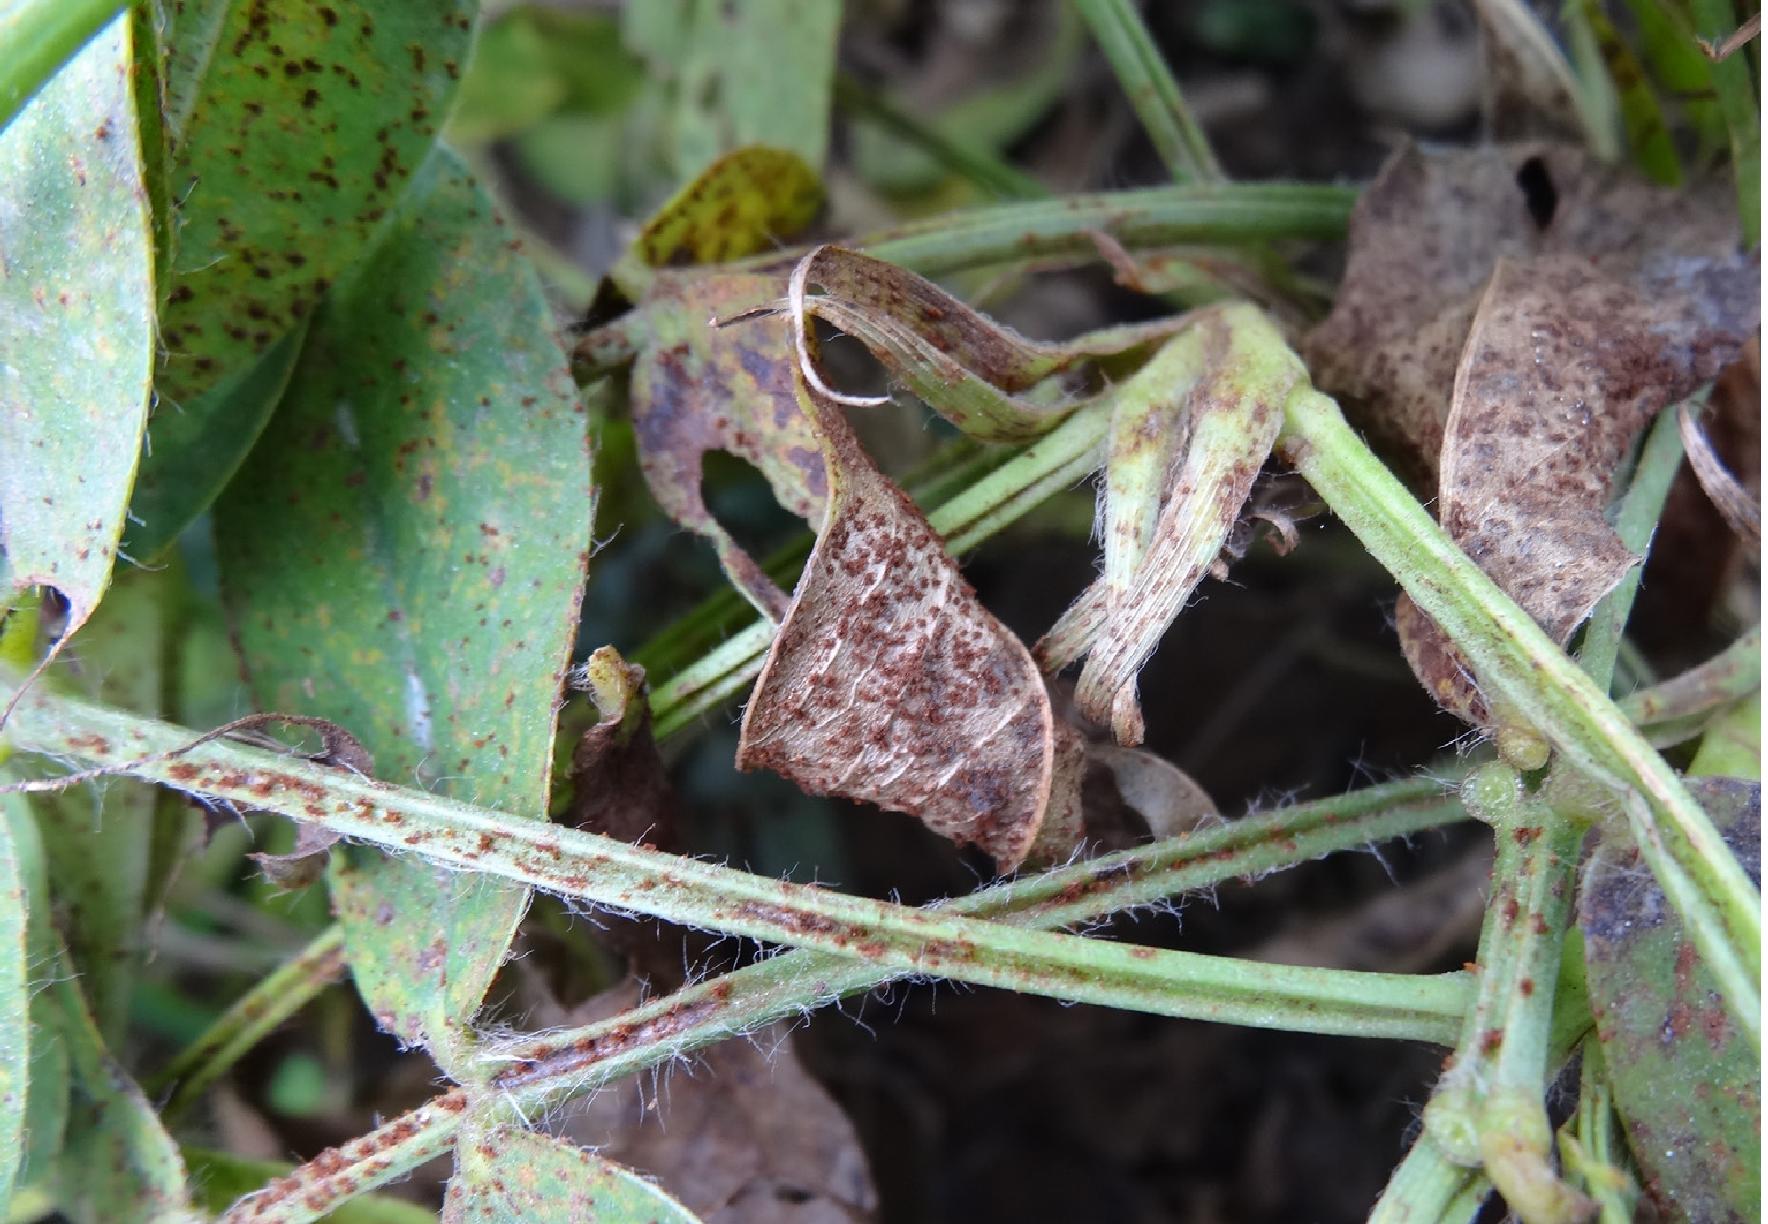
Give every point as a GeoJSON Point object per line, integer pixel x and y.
{"type": "Point", "coordinates": [46, 1099]}
{"type": "Point", "coordinates": [15, 1025]}
{"type": "Point", "coordinates": [532, 62]}
{"type": "Point", "coordinates": [93, 1141]}
{"type": "Point", "coordinates": [506, 1175]}
{"type": "Point", "coordinates": [1642, 115]}
{"type": "Point", "coordinates": [98, 838]}
{"type": "Point", "coordinates": [76, 325]}
{"type": "Point", "coordinates": [295, 128]}
{"type": "Point", "coordinates": [194, 449]}
{"type": "Point", "coordinates": [404, 553]}
{"type": "Point", "coordinates": [761, 72]}
{"type": "Point", "coordinates": [1686, 1077]}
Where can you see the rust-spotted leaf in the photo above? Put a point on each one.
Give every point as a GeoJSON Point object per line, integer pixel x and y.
{"type": "Point", "coordinates": [889, 682]}
{"type": "Point", "coordinates": [295, 128]}
{"type": "Point", "coordinates": [744, 202]}
{"type": "Point", "coordinates": [404, 554]}
{"type": "Point", "coordinates": [504, 1174]}
{"type": "Point", "coordinates": [1687, 1081]}
{"type": "Point", "coordinates": [1427, 234]}
{"type": "Point", "coordinates": [982, 376]}
{"type": "Point", "coordinates": [697, 388]}
{"type": "Point", "coordinates": [76, 325]}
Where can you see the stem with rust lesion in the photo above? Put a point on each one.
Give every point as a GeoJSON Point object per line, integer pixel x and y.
{"type": "Point", "coordinates": [531, 1074]}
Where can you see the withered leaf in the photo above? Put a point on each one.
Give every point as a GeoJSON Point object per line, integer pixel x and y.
{"type": "Point", "coordinates": [1510, 319]}
{"type": "Point", "coordinates": [618, 784]}
{"type": "Point", "coordinates": [1427, 234]}
{"type": "Point", "coordinates": [1562, 369]}
{"type": "Point", "coordinates": [991, 382]}
{"type": "Point", "coordinates": [888, 682]}
{"type": "Point", "coordinates": [746, 1138]}
{"type": "Point", "coordinates": [697, 388]}
{"type": "Point", "coordinates": [1189, 432]}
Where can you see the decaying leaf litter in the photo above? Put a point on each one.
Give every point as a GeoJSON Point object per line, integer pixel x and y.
{"type": "Point", "coordinates": [1186, 411]}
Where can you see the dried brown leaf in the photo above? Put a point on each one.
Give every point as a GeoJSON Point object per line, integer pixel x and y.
{"type": "Point", "coordinates": [697, 388]}
{"type": "Point", "coordinates": [746, 1138]}
{"type": "Point", "coordinates": [1563, 367]}
{"type": "Point", "coordinates": [1168, 799]}
{"type": "Point", "coordinates": [1429, 231]}
{"type": "Point", "coordinates": [982, 376]}
{"type": "Point", "coordinates": [1511, 319]}
{"type": "Point", "coordinates": [888, 682]}
{"type": "Point", "coordinates": [618, 784]}
{"type": "Point", "coordinates": [1733, 501]}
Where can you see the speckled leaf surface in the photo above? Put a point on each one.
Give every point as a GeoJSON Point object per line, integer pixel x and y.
{"type": "Point", "coordinates": [404, 553]}
{"type": "Point", "coordinates": [888, 681]}
{"type": "Point", "coordinates": [295, 127]}
{"type": "Point", "coordinates": [697, 388]}
{"type": "Point", "coordinates": [1687, 1082]}
{"type": "Point", "coordinates": [76, 324]}
{"type": "Point", "coordinates": [15, 1024]}
{"type": "Point", "coordinates": [744, 202]}
{"type": "Point", "coordinates": [506, 1175]}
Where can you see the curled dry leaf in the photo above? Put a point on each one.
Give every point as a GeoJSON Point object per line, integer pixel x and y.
{"type": "Point", "coordinates": [747, 1138]}
{"type": "Point", "coordinates": [1511, 319]}
{"type": "Point", "coordinates": [1189, 432]}
{"type": "Point", "coordinates": [985, 378]}
{"type": "Point", "coordinates": [888, 682]}
{"type": "Point", "coordinates": [1727, 493]}
{"type": "Point", "coordinates": [618, 784]}
{"type": "Point", "coordinates": [697, 388]}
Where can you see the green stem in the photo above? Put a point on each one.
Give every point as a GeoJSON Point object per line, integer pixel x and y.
{"type": "Point", "coordinates": [536, 1073]}
{"type": "Point", "coordinates": [1640, 510]}
{"type": "Point", "coordinates": [1510, 654]}
{"type": "Point", "coordinates": [253, 1015]}
{"type": "Point", "coordinates": [978, 165]}
{"type": "Point", "coordinates": [622, 876]}
{"type": "Point", "coordinates": [1678, 708]}
{"type": "Point", "coordinates": [1429, 1188]}
{"type": "Point", "coordinates": [1145, 77]}
{"type": "Point", "coordinates": [37, 37]}
{"type": "Point", "coordinates": [1713, 20]}
{"type": "Point", "coordinates": [1488, 1109]}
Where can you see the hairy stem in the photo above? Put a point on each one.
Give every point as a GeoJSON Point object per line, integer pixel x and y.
{"type": "Point", "coordinates": [626, 877]}
{"type": "Point", "coordinates": [533, 1073]}
{"type": "Point", "coordinates": [1513, 656]}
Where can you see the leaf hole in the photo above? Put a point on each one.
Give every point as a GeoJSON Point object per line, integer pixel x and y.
{"type": "Point", "coordinates": [1538, 192]}
{"type": "Point", "coordinates": [743, 502]}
